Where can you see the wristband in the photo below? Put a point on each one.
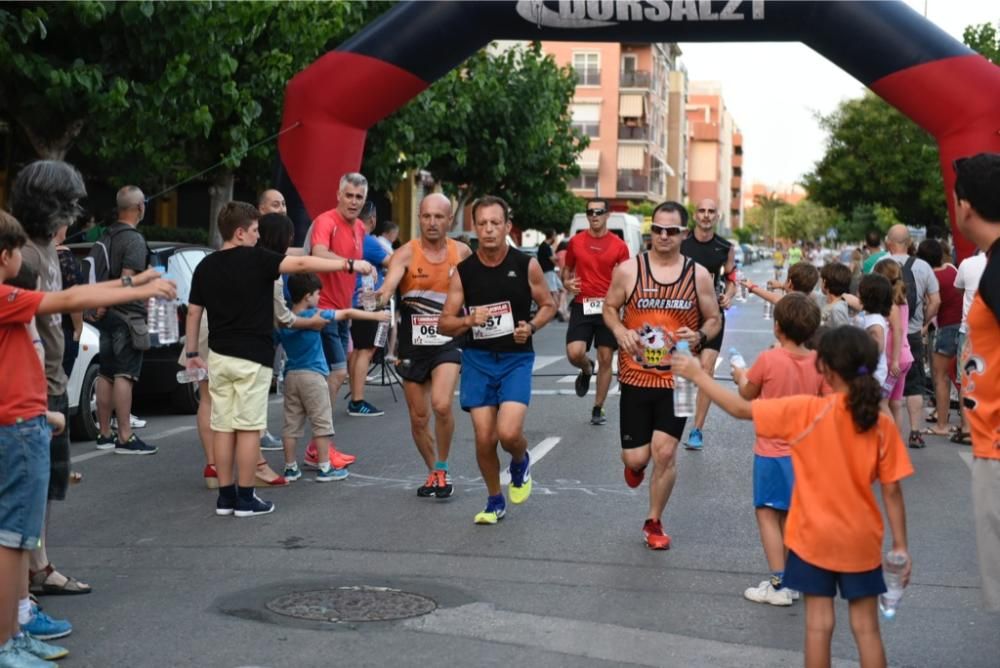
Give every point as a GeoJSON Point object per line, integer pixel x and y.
{"type": "Point", "coordinates": [192, 355]}
{"type": "Point", "coordinates": [127, 281]}
{"type": "Point", "coordinates": [350, 266]}
{"type": "Point", "coordinates": [533, 328]}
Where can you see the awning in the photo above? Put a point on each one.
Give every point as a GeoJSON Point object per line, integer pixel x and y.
{"type": "Point", "coordinates": [585, 113]}
{"type": "Point", "coordinates": [589, 160]}
{"type": "Point", "coordinates": [632, 106]}
{"type": "Point", "coordinates": [631, 156]}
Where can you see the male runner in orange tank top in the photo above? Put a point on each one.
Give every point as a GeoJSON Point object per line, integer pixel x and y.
{"type": "Point", "coordinates": [655, 301]}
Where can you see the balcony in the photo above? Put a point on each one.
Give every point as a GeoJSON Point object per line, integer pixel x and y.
{"type": "Point", "coordinates": [738, 160]}
{"type": "Point", "coordinates": [736, 183]}
{"type": "Point", "coordinates": [590, 76]}
{"type": "Point", "coordinates": [633, 132]}
{"type": "Point", "coordinates": [704, 132]}
{"type": "Point", "coordinates": [634, 79]}
{"type": "Point", "coordinates": [632, 181]}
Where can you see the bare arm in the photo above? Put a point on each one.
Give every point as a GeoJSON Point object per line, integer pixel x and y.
{"type": "Point", "coordinates": [727, 296]}
{"type": "Point", "coordinates": [852, 302]}
{"type": "Point", "coordinates": [708, 304]}
{"type": "Point", "coordinates": [319, 264]}
{"type": "Point", "coordinates": [192, 330]}
{"type": "Point", "coordinates": [82, 297]}
{"type": "Point", "coordinates": [358, 314]}
{"type": "Point", "coordinates": [895, 512]}
{"type": "Point", "coordinates": [541, 295]}
{"type": "Point", "coordinates": [746, 389]}
{"type": "Point", "coordinates": [451, 323]}
{"type": "Point", "coordinates": [933, 305]}
{"type": "Point", "coordinates": [896, 328]}
{"type": "Point", "coordinates": [623, 279]}
{"type": "Point", "coordinates": [689, 367]}
{"type": "Point", "coordinates": [399, 262]}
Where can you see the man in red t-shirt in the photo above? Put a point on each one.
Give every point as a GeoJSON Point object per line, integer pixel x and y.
{"type": "Point", "coordinates": [338, 234]}
{"type": "Point", "coordinates": [590, 258]}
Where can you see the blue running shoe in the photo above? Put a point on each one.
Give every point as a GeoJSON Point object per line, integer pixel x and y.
{"type": "Point", "coordinates": [44, 627]}
{"type": "Point", "coordinates": [39, 649]}
{"type": "Point", "coordinates": [292, 473]}
{"type": "Point", "coordinates": [694, 441]}
{"type": "Point", "coordinates": [331, 475]}
{"type": "Point", "coordinates": [12, 656]}
{"type": "Point", "coordinates": [496, 508]}
{"type": "Point", "coordinates": [362, 409]}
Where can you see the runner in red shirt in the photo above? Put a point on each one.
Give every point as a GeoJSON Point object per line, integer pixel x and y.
{"type": "Point", "coordinates": [590, 258]}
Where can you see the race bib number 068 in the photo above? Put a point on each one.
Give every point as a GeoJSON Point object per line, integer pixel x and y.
{"type": "Point", "coordinates": [425, 331]}
{"type": "Point", "coordinates": [499, 322]}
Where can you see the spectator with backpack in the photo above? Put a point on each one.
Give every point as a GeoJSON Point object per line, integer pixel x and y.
{"type": "Point", "coordinates": [121, 253]}
{"type": "Point", "coordinates": [924, 299]}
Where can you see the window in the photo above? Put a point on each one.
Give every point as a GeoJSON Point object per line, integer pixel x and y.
{"type": "Point", "coordinates": [585, 181]}
{"type": "Point", "coordinates": [587, 118]}
{"type": "Point", "coordinates": [588, 68]}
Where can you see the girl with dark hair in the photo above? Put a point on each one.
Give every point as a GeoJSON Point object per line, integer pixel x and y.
{"type": "Point", "coordinates": [898, 355]}
{"type": "Point", "coordinates": [841, 444]}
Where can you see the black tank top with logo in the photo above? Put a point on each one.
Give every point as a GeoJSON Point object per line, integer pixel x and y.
{"type": "Point", "coordinates": [711, 254]}
{"type": "Point", "coordinates": [506, 292]}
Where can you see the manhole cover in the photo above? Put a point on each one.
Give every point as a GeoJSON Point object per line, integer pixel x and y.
{"type": "Point", "coordinates": [352, 604]}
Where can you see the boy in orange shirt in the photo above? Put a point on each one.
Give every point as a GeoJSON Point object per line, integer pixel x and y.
{"type": "Point", "coordinates": [785, 371]}
{"type": "Point", "coordinates": [841, 444]}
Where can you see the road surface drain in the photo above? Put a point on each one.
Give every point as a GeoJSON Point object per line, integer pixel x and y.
{"type": "Point", "coordinates": [352, 604]}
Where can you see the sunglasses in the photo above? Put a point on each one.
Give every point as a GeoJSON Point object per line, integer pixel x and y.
{"type": "Point", "coordinates": [671, 231]}
{"type": "Point", "coordinates": [596, 212]}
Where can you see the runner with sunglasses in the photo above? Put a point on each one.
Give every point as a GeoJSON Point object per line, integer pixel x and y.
{"type": "Point", "coordinates": [717, 255]}
{"type": "Point", "coordinates": [655, 301]}
{"type": "Point", "coordinates": [590, 258]}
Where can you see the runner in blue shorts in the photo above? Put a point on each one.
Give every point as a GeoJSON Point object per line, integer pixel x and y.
{"type": "Point", "coordinates": [497, 285]}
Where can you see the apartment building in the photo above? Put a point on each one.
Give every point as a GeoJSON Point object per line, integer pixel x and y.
{"type": "Point", "coordinates": [622, 105]}
{"type": "Point", "coordinates": [715, 152]}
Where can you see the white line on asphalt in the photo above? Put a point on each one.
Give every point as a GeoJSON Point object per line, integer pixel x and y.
{"type": "Point", "coordinates": [542, 361]}
{"type": "Point", "coordinates": [90, 455]}
{"type": "Point", "coordinates": [536, 453]}
{"type": "Point", "coordinates": [749, 331]}
{"type": "Point", "coordinates": [100, 453]}
{"type": "Point", "coordinates": [567, 379]}
{"type": "Point", "coordinates": [967, 458]}
{"type": "Point", "coordinates": [718, 362]}
{"type": "Point", "coordinates": [170, 432]}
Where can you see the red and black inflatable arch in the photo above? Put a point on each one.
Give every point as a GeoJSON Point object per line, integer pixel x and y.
{"type": "Point", "coordinates": [941, 84]}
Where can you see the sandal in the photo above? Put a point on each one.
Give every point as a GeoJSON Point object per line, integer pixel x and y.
{"type": "Point", "coordinates": [932, 431]}
{"type": "Point", "coordinates": [41, 583]}
{"type": "Point", "coordinates": [961, 438]}
{"type": "Point", "coordinates": [916, 440]}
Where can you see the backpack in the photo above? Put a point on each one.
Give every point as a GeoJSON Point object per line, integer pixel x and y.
{"type": "Point", "coordinates": [97, 265]}
{"type": "Point", "coordinates": [911, 285]}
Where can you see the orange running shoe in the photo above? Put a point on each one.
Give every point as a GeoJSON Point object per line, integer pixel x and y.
{"type": "Point", "coordinates": [429, 488]}
{"type": "Point", "coordinates": [656, 539]}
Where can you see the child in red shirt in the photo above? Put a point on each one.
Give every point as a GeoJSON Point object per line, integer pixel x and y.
{"type": "Point", "coordinates": [841, 444]}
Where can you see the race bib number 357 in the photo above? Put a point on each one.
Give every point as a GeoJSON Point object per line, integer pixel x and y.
{"type": "Point", "coordinates": [499, 322]}
{"type": "Point", "coordinates": [425, 331]}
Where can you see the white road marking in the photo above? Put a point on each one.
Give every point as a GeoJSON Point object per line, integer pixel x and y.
{"type": "Point", "coordinates": [170, 432]}
{"type": "Point", "coordinates": [749, 331]}
{"type": "Point", "coordinates": [536, 453]}
{"type": "Point", "coordinates": [152, 437]}
{"type": "Point", "coordinates": [90, 455]}
{"type": "Point", "coordinates": [567, 379]}
{"type": "Point", "coordinates": [542, 361]}
{"type": "Point", "coordinates": [718, 363]}
{"type": "Point", "coordinates": [967, 458]}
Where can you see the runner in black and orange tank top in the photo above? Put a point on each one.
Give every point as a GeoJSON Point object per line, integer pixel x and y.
{"type": "Point", "coordinates": [654, 302]}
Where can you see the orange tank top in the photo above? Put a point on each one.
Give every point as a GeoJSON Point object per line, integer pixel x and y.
{"type": "Point", "coordinates": [422, 292]}
{"type": "Point", "coordinates": [656, 311]}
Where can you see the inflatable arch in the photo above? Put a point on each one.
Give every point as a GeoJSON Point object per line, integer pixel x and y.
{"type": "Point", "coordinates": [951, 92]}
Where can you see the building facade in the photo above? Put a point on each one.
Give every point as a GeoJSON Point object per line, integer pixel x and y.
{"type": "Point", "coordinates": [715, 152]}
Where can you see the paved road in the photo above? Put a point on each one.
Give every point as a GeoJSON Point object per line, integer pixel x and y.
{"type": "Point", "coordinates": [564, 580]}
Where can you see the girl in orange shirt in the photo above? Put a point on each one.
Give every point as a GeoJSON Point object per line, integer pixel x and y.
{"type": "Point", "coordinates": [841, 444]}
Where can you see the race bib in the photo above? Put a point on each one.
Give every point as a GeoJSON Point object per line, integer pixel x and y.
{"type": "Point", "coordinates": [593, 305]}
{"type": "Point", "coordinates": [499, 322]}
{"type": "Point", "coordinates": [424, 331]}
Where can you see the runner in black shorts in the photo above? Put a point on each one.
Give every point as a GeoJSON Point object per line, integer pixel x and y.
{"type": "Point", "coordinates": [591, 256]}
{"type": "Point", "coordinates": [717, 255]}
{"type": "Point", "coordinates": [429, 362]}
{"type": "Point", "coordinates": [657, 299]}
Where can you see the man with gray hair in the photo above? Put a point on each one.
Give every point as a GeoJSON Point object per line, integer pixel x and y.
{"type": "Point", "coordinates": [924, 301]}
{"type": "Point", "coordinates": [119, 358]}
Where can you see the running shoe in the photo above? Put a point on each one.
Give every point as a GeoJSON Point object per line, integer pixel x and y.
{"type": "Point", "coordinates": [495, 510]}
{"type": "Point", "coordinates": [134, 446]}
{"type": "Point", "coordinates": [444, 487]}
{"type": "Point", "coordinates": [107, 442]}
{"type": "Point", "coordinates": [916, 440]}
{"type": "Point", "coordinates": [653, 534]}
{"type": "Point", "coordinates": [252, 505]}
{"type": "Point", "coordinates": [37, 648]}
{"type": "Point", "coordinates": [15, 657]}
{"type": "Point", "coordinates": [597, 416]}
{"type": "Point", "coordinates": [634, 478]}
{"type": "Point", "coordinates": [766, 593]}
{"type": "Point", "coordinates": [583, 380]}
{"type": "Point", "coordinates": [429, 488]}
{"type": "Point", "coordinates": [134, 422]}
{"type": "Point", "coordinates": [331, 474]}
{"type": "Point", "coordinates": [43, 627]}
{"type": "Point", "coordinates": [520, 480]}
{"type": "Point", "coordinates": [338, 459]}
{"type": "Point", "coordinates": [291, 473]}
{"type": "Point", "coordinates": [211, 477]}
{"type": "Point", "coordinates": [269, 442]}
{"type": "Point", "coordinates": [694, 441]}
{"type": "Point", "coordinates": [362, 409]}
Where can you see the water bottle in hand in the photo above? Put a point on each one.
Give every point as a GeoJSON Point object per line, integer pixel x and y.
{"type": "Point", "coordinates": [736, 360]}
{"type": "Point", "coordinates": [195, 375]}
{"type": "Point", "coordinates": [767, 309]}
{"type": "Point", "coordinates": [892, 570]}
{"type": "Point", "coordinates": [162, 316]}
{"type": "Point", "coordinates": [740, 278]}
{"type": "Point", "coordinates": [684, 390]}
{"type": "Point", "coordinates": [368, 299]}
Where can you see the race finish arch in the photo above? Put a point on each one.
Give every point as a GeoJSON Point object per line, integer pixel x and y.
{"type": "Point", "coordinates": [950, 91]}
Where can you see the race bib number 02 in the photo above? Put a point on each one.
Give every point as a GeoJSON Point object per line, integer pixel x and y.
{"type": "Point", "coordinates": [425, 331]}
{"type": "Point", "coordinates": [499, 322]}
{"type": "Point", "coordinates": [593, 305]}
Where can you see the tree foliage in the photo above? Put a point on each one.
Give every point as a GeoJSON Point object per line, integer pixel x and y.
{"type": "Point", "coordinates": [805, 221]}
{"type": "Point", "coordinates": [985, 40]}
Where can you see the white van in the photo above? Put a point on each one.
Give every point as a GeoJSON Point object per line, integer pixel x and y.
{"type": "Point", "coordinates": [625, 225]}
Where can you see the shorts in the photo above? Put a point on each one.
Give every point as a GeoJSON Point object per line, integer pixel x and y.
{"type": "Point", "coordinates": [363, 334]}
{"type": "Point", "coordinates": [116, 357]}
{"type": "Point", "coordinates": [642, 411]}
{"type": "Point", "coordinates": [418, 369]}
{"type": "Point", "coordinates": [59, 452]}
{"type": "Point", "coordinates": [772, 482]}
{"type": "Point", "coordinates": [892, 387]}
{"type": "Point", "coordinates": [24, 478]}
{"type": "Point", "coordinates": [239, 391]}
{"type": "Point", "coordinates": [715, 343]}
{"type": "Point", "coordinates": [589, 328]}
{"type": "Point", "coordinates": [307, 396]}
{"type": "Point", "coordinates": [336, 339]}
{"type": "Point", "coordinates": [916, 377]}
{"type": "Point", "coordinates": [986, 512]}
{"type": "Point", "coordinates": [490, 379]}
{"type": "Point", "coordinates": [946, 341]}
{"type": "Point", "coordinates": [815, 581]}
{"type": "Point", "coordinates": [553, 282]}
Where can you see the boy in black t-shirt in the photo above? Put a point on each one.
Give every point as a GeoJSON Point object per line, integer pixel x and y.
{"type": "Point", "coordinates": [235, 287]}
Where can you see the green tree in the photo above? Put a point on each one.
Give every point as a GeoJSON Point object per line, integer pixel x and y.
{"type": "Point", "coordinates": [764, 213]}
{"type": "Point", "coordinates": [866, 217]}
{"type": "Point", "coordinates": [983, 39]}
{"type": "Point", "coordinates": [805, 221]}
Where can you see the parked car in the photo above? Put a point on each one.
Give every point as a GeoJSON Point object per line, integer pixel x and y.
{"type": "Point", "coordinates": [749, 256]}
{"type": "Point", "coordinates": [159, 363]}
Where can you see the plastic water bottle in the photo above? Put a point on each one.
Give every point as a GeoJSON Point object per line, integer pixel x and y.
{"type": "Point", "coordinates": [740, 277]}
{"type": "Point", "coordinates": [767, 309]}
{"type": "Point", "coordinates": [368, 292]}
{"type": "Point", "coordinates": [280, 385]}
{"type": "Point", "coordinates": [162, 316]}
{"type": "Point", "coordinates": [684, 390]}
{"type": "Point", "coordinates": [195, 375]}
{"type": "Point", "coordinates": [892, 570]}
{"type": "Point", "coordinates": [736, 360]}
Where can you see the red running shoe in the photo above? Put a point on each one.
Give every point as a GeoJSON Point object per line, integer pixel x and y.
{"type": "Point", "coordinates": [656, 539]}
{"type": "Point", "coordinates": [337, 459]}
{"type": "Point", "coordinates": [634, 478]}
